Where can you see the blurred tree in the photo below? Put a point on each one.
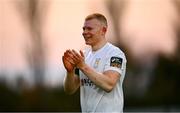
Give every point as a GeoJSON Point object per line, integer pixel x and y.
{"type": "Point", "coordinates": [33, 13]}
{"type": "Point", "coordinates": [139, 72]}
{"type": "Point", "coordinates": [116, 9]}
{"type": "Point", "coordinates": [8, 98]}
{"type": "Point", "coordinates": [177, 28]}
{"type": "Point", "coordinates": [153, 82]}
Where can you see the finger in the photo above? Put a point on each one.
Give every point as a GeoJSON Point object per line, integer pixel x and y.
{"type": "Point", "coordinates": [63, 59]}
{"type": "Point", "coordinates": [67, 59]}
{"type": "Point", "coordinates": [68, 54]}
{"type": "Point", "coordinates": [82, 54]}
{"type": "Point", "coordinates": [67, 51]}
{"type": "Point", "coordinates": [76, 53]}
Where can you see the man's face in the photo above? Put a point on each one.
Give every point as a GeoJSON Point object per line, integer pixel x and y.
{"type": "Point", "coordinates": [92, 31]}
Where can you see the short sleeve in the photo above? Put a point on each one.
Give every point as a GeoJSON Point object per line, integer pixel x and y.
{"type": "Point", "coordinates": [115, 62]}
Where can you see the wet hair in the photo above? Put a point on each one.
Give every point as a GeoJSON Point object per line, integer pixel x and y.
{"type": "Point", "coordinates": [97, 16]}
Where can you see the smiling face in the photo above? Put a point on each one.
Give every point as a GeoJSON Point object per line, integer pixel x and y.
{"type": "Point", "coordinates": [93, 31]}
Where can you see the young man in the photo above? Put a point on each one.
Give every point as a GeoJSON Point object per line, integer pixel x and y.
{"type": "Point", "coordinates": [101, 69]}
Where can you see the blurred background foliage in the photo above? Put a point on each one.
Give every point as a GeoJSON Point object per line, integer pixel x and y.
{"type": "Point", "coordinates": [161, 95]}
{"type": "Point", "coordinates": [147, 87]}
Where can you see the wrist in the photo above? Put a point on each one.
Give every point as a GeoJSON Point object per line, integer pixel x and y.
{"type": "Point", "coordinates": [71, 71]}
{"type": "Point", "coordinates": [83, 67]}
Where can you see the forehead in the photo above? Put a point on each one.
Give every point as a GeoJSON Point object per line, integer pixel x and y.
{"type": "Point", "coordinates": [92, 22]}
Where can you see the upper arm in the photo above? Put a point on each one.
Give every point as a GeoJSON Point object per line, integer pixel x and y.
{"type": "Point", "coordinates": [116, 61]}
{"type": "Point", "coordinates": [113, 76]}
{"type": "Point", "coordinates": [115, 66]}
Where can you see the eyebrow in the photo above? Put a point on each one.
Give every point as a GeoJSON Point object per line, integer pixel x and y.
{"type": "Point", "coordinates": [86, 27]}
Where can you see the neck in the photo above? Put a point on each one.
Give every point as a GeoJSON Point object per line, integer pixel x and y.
{"type": "Point", "coordinates": [99, 45]}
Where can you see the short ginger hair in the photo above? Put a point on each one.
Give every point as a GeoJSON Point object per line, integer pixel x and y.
{"type": "Point", "coordinates": [97, 16]}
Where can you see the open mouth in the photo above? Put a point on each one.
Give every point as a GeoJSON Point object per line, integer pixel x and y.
{"type": "Point", "coordinates": [86, 37]}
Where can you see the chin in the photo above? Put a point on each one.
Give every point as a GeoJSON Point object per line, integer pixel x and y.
{"type": "Point", "coordinates": [87, 43]}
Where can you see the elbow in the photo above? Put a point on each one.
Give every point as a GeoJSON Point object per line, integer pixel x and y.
{"type": "Point", "coordinates": [109, 88]}
{"type": "Point", "coordinates": [69, 92]}
{"type": "Point", "coordinates": [108, 91]}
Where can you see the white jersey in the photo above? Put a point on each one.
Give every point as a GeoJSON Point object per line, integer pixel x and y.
{"type": "Point", "coordinates": [93, 98]}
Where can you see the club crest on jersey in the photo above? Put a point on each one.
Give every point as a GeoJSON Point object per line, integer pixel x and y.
{"type": "Point", "coordinates": [116, 62]}
{"type": "Point", "coordinates": [97, 62]}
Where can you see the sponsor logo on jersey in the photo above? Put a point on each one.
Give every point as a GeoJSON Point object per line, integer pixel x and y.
{"type": "Point", "coordinates": [86, 82]}
{"type": "Point", "coordinates": [116, 62]}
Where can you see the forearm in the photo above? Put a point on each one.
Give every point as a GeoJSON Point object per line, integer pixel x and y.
{"type": "Point", "coordinates": [99, 79]}
{"type": "Point", "coordinates": [71, 83]}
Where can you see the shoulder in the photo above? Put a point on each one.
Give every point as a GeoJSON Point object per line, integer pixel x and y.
{"type": "Point", "coordinates": [115, 59]}
{"type": "Point", "coordinates": [114, 50]}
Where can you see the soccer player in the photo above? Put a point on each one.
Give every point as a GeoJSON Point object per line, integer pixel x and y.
{"type": "Point", "coordinates": [98, 71]}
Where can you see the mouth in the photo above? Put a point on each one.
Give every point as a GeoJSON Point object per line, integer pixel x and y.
{"type": "Point", "coordinates": [86, 37]}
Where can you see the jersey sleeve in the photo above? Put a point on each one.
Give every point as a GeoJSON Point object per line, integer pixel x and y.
{"type": "Point", "coordinates": [115, 61]}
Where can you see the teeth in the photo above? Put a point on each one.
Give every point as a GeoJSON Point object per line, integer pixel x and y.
{"type": "Point", "coordinates": [87, 36]}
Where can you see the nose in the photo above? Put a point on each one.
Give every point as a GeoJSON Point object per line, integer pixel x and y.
{"type": "Point", "coordinates": [84, 32]}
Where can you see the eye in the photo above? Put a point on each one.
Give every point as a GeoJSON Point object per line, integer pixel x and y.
{"type": "Point", "coordinates": [83, 28]}
{"type": "Point", "coordinates": [87, 28]}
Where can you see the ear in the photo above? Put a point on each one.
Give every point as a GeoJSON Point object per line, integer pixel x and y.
{"type": "Point", "coordinates": [104, 29]}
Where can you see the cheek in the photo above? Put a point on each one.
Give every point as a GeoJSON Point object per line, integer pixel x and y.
{"type": "Point", "coordinates": [93, 32]}
{"type": "Point", "coordinates": [87, 33]}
